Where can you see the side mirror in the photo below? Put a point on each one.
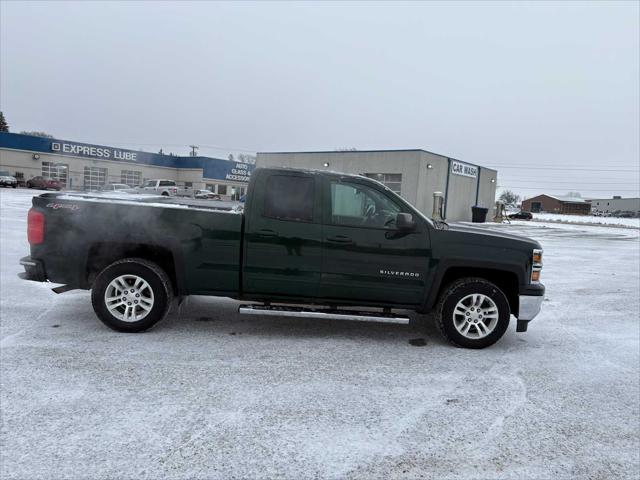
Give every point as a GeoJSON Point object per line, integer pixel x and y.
{"type": "Point", "coordinates": [405, 222]}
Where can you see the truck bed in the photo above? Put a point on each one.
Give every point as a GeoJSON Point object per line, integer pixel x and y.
{"type": "Point", "coordinates": [199, 239]}
{"type": "Point", "coordinates": [152, 199]}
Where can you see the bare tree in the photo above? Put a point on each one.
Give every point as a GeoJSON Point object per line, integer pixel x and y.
{"type": "Point", "coordinates": [509, 198]}
{"type": "Point", "coordinates": [247, 158]}
{"type": "Point", "coordinates": [36, 133]}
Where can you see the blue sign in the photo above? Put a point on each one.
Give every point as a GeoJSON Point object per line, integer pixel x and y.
{"type": "Point", "coordinates": [212, 168]}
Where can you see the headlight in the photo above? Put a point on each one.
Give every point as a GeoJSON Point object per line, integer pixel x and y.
{"type": "Point", "coordinates": [536, 265]}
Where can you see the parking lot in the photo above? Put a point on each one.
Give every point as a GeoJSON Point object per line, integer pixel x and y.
{"type": "Point", "coordinates": [210, 394]}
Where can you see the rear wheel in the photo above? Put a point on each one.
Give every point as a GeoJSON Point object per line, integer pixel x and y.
{"type": "Point", "coordinates": [472, 313]}
{"type": "Point", "coordinates": [131, 295]}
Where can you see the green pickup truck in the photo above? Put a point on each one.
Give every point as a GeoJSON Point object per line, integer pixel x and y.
{"type": "Point", "coordinates": [307, 243]}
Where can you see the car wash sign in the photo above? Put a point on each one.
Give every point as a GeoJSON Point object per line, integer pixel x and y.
{"type": "Point", "coordinates": [93, 151]}
{"type": "Point", "coordinates": [464, 169]}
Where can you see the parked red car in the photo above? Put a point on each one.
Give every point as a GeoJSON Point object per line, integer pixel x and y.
{"type": "Point", "coordinates": [44, 183]}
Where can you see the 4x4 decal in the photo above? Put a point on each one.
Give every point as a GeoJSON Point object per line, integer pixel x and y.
{"type": "Point", "coordinates": [68, 206]}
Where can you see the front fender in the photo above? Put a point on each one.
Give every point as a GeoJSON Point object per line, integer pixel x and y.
{"type": "Point", "coordinates": [439, 273]}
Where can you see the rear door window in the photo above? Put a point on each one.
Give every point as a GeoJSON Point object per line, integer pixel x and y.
{"type": "Point", "coordinates": [289, 197]}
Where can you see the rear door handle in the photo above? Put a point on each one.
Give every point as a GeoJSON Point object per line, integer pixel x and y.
{"type": "Point", "coordinates": [341, 239]}
{"type": "Point", "coordinates": [265, 232]}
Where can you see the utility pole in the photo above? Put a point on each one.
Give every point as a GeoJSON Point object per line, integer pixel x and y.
{"type": "Point", "coordinates": [194, 150]}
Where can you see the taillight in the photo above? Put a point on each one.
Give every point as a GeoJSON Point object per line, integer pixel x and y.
{"type": "Point", "coordinates": [35, 227]}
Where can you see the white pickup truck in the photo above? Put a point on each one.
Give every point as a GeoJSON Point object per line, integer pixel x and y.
{"type": "Point", "coordinates": [162, 187]}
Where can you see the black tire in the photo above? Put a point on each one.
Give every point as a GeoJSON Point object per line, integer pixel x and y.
{"type": "Point", "coordinates": [158, 282]}
{"type": "Point", "coordinates": [165, 194]}
{"type": "Point", "coordinates": [457, 291]}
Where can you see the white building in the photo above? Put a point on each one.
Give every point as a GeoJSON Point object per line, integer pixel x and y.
{"type": "Point", "coordinates": [615, 205]}
{"type": "Point", "coordinates": [413, 174]}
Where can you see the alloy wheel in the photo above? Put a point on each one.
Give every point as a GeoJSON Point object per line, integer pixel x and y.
{"type": "Point", "coordinates": [129, 298]}
{"type": "Point", "coordinates": [475, 316]}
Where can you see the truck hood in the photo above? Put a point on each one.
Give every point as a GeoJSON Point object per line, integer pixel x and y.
{"type": "Point", "coordinates": [482, 236]}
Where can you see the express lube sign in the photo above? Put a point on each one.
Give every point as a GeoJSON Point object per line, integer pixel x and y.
{"type": "Point", "coordinates": [93, 151]}
{"type": "Point", "coordinates": [464, 169]}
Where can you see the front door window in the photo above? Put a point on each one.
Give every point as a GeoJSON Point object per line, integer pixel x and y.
{"type": "Point", "coordinates": [360, 205]}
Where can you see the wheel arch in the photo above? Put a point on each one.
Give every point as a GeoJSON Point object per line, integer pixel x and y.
{"type": "Point", "coordinates": [102, 254]}
{"type": "Point", "coordinates": [507, 280]}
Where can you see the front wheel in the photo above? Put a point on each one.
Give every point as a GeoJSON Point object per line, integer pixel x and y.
{"type": "Point", "coordinates": [131, 295]}
{"type": "Point", "coordinates": [472, 313]}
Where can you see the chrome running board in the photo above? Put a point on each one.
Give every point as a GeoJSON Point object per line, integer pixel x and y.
{"type": "Point", "coordinates": [326, 314]}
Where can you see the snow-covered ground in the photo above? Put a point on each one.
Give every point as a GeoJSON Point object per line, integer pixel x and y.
{"type": "Point", "coordinates": [587, 219]}
{"type": "Point", "coordinates": [210, 394]}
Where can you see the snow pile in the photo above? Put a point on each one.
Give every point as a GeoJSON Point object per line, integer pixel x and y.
{"type": "Point", "coordinates": [128, 200]}
{"type": "Point", "coordinates": [587, 220]}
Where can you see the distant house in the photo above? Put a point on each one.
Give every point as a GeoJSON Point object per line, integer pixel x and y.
{"type": "Point", "coordinates": [556, 204]}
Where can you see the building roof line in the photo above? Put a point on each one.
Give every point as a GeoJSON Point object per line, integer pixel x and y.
{"type": "Point", "coordinates": [391, 150]}
{"type": "Point", "coordinates": [355, 151]}
{"type": "Point", "coordinates": [560, 198]}
{"type": "Point", "coordinates": [611, 198]}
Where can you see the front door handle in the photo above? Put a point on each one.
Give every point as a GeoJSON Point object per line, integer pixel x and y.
{"type": "Point", "coordinates": [265, 232]}
{"type": "Point", "coordinates": [341, 239]}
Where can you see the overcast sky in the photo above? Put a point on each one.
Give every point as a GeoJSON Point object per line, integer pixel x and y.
{"type": "Point", "coordinates": [510, 86]}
